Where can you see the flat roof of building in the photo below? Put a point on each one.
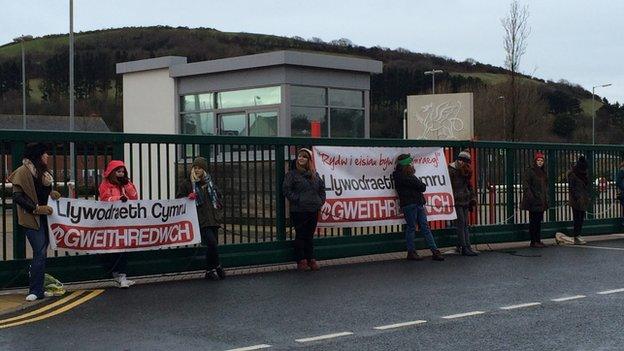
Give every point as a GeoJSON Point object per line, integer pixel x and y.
{"type": "Point", "coordinates": [178, 67]}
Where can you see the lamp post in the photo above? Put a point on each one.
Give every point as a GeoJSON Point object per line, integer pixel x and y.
{"type": "Point", "coordinates": [71, 88]}
{"type": "Point", "coordinates": [22, 39]}
{"type": "Point", "coordinates": [433, 72]}
{"type": "Point", "coordinates": [594, 111]}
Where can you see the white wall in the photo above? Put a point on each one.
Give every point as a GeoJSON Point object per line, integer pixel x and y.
{"type": "Point", "coordinates": [149, 102]}
{"type": "Point", "coordinates": [150, 107]}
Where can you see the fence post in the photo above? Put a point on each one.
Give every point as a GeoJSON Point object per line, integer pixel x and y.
{"type": "Point", "coordinates": [279, 193]}
{"type": "Point", "coordinates": [510, 161]}
{"type": "Point", "coordinates": [19, 237]}
{"type": "Point", "coordinates": [118, 150]}
{"type": "Point", "coordinates": [552, 184]}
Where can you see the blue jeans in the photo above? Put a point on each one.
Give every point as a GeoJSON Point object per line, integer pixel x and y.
{"type": "Point", "coordinates": [417, 214]}
{"type": "Point", "coordinates": [38, 239]}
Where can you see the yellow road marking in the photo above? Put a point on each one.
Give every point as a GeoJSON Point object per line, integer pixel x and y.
{"type": "Point", "coordinates": [44, 308]}
{"type": "Point", "coordinates": [65, 308]}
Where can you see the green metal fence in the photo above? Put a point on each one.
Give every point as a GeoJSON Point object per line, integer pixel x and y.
{"type": "Point", "coordinates": [249, 171]}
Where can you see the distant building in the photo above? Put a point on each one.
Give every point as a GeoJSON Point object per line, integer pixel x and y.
{"type": "Point", "coordinates": [272, 94]}
{"type": "Point", "coordinates": [53, 123]}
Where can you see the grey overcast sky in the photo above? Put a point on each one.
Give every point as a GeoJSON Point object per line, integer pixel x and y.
{"type": "Point", "coordinates": [580, 41]}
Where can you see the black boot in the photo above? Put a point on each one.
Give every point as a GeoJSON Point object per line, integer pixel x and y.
{"type": "Point", "coordinates": [436, 255]}
{"type": "Point", "coordinates": [467, 251]}
{"type": "Point", "coordinates": [220, 272]}
{"type": "Point", "coordinates": [413, 256]}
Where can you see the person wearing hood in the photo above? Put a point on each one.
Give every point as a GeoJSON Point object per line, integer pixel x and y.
{"type": "Point", "coordinates": [465, 199]}
{"type": "Point", "coordinates": [535, 197]}
{"type": "Point", "coordinates": [410, 190]}
{"type": "Point", "coordinates": [117, 186]}
{"type": "Point", "coordinates": [305, 191]}
{"type": "Point", "coordinates": [32, 184]}
{"type": "Point", "coordinates": [580, 198]}
{"type": "Point", "coordinates": [200, 187]}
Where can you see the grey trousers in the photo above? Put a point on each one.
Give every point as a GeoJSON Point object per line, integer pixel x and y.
{"type": "Point", "coordinates": [461, 224]}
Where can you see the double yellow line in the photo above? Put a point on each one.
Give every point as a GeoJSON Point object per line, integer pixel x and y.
{"type": "Point", "coordinates": [40, 313]}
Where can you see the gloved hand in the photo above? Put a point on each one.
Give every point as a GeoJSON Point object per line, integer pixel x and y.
{"type": "Point", "coordinates": [123, 198]}
{"type": "Point", "coordinates": [192, 196]}
{"type": "Point", "coordinates": [55, 195]}
{"type": "Point", "coordinates": [43, 210]}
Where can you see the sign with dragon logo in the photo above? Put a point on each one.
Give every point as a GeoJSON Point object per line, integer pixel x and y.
{"type": "Point", "coordinates": [440, 117]}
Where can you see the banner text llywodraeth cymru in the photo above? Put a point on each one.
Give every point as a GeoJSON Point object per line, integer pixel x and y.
{"type": "Point", "coordinates": [118, 211]}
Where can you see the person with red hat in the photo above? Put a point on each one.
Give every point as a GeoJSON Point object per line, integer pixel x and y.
{"type": "Point", "coordinates": [535, 197]}
{"type": "Point", "coordinates": [117, 186]}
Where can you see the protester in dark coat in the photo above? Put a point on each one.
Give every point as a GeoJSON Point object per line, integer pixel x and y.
{"type": "Point", "coordinates": [535, 197]}
{"type": "Point", "coordinates": [305, 191]}
{"type": "Point", "coordinates": [32, 184]}
{"type": "Point", "coordinates": [580, 197]}
{"type": "Point", "coordinates": [410, 190]}
{"type": "Point", "coordinates": [465, 197]}
{"type": "Point", "coordinates": [200, 187]}
{"type": "Point", "coordinates": [116, 186]}
{"type": "Point", "coordinates": [619, 182]}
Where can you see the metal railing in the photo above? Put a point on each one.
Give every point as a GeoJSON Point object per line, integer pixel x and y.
{"type": "Point", "coordinates": [249, 172]}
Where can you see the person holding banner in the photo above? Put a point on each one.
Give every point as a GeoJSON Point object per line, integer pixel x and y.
{"type": "Point", "coordinates": [117, 186]}
{"type": "Point", "coordinates": [200, 187]}
{"type": "Point", "coordinates": [305, 191]}
{"type": "Point", "coordinates": [535, 197]}
{"type": "Point", "coordinates": [32, 184]}
{"type": "Point", "coordinates": [410, 190]}
{"type": "Point", "coordinates": [460, 173]}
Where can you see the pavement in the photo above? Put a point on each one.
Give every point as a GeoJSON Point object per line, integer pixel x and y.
{"type": "Point", "coordinates": [510, 298]}
{"type": "Point", "coordinates": [13, 300]}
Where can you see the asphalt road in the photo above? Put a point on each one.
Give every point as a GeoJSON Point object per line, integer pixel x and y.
{"type": "Point", "coordinates": [284, 309]}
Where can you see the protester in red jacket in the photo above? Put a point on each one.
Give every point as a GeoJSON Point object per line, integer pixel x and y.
{"type": "Point", "coordinates": [116, 186]}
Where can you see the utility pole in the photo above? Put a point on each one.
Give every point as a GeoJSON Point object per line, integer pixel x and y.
{"type": "Point", "coordinates": [22, 39]}
{"type": "Point", "coordinates": [71, 92]}
{"type": "Point", "coordinates": [433, 72]}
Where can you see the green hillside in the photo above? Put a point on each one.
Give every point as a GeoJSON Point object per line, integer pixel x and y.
{"type": "Point", "coordinates": [99, 89]}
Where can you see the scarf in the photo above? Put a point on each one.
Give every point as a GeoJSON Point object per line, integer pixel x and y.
{"type": "Point", "coordinates": [46, 179]}
{"type": "Point", "coordinates": [206, 181]}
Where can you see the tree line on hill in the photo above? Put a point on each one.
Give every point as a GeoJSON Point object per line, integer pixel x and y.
{"type": "Point", "coordinates": [548, 111]}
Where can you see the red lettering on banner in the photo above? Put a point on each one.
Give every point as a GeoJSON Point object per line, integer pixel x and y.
{"type": "Point", "coordinates": [72, 237]}
{"type": "Point", "coordinates": [333, 161]}
{"type": "Point", "coordinates": [360, 209]}
{"type": "Point", "coordinates": [426, 160]}
{"type": "Point", "coordinates": [439, 203]}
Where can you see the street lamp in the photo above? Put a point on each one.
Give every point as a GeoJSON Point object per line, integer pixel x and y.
{"type": "Point", "coordinates": [22, 39]}
{"type": "Point", "coordinates": [433, 72]}
{"type": "Point", "coordinates": [71, 90]}
{"type": "Point", "coordinates": [594, 111]}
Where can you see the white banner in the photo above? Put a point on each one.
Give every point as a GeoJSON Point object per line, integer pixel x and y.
{"type": "Point", "coordinates": [102, 227]}
{"type": "Point", "coordinates": [360, 189]}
